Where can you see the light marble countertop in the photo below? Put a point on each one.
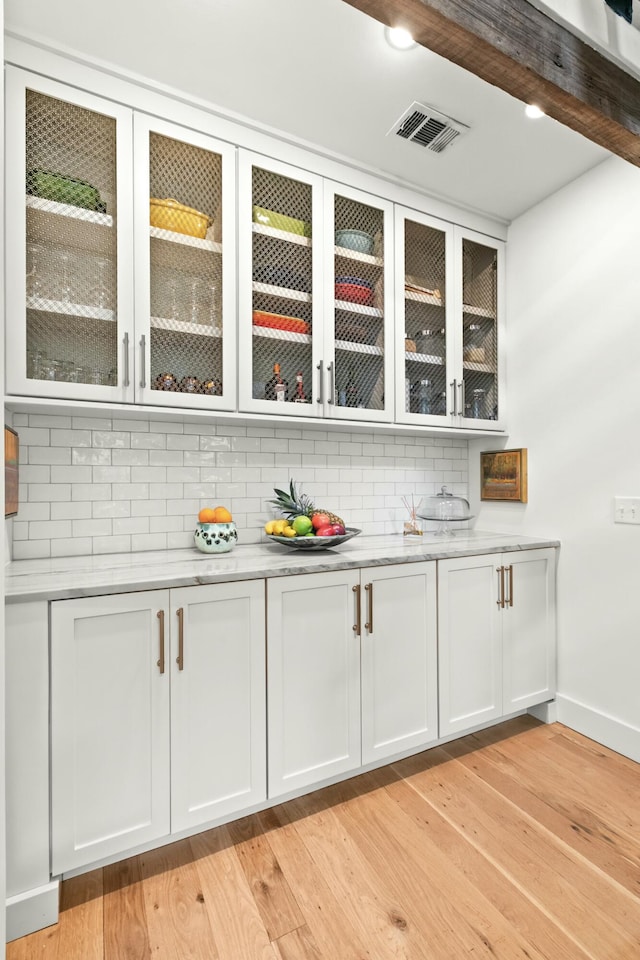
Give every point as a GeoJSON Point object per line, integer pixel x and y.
{"type": "Point", "coordinates": [67, 577]}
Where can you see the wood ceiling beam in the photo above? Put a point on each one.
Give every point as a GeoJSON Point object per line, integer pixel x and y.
{"type": "Point", "coordinates": [515, 47]}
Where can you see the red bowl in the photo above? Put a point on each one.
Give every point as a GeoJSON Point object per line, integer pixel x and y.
{"type": "Point", "coordinates": [354, 293]}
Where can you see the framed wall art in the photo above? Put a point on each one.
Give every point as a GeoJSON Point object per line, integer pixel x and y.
{"type": "Point", "coordinates": [503, 475]}
{"type": "Point", "coordinates": [10, 472]}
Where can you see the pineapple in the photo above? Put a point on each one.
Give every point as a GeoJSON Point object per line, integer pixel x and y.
{"type": "Point", "coordinates": [295, 504]}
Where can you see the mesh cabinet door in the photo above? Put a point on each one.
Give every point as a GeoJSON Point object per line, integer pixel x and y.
{"type": "Point", "coordinates": [481, 262]}
{"type": "Point", "coordinates": [280, 290]}
{"type": "Point", "coordinates": [359, 346]}
{"type": "Point", "coordinates": [69, 262]}
{"type": "Point", "coordinates": [185, 332]}
{"type": "Point", "coordinates": [424, 342]}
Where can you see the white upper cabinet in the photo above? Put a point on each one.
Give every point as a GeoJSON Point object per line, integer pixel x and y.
{"type": "Point", "coordinates": [185, 267]}
{"type": "Point", "coordinates": [123, 265]}
{"type": "Point", "coordinates": [315, 300]}
{"type": "Point", "coordinates": [449, 308]}
{"type": "Point", "coordinates": [69, 203]}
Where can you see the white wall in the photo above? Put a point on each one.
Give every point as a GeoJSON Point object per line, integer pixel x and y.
{"type": "Point", "coordinates": [573, 287]}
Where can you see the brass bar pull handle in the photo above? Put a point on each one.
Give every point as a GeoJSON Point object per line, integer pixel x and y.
{"type": "Point", "coordinates": [160, 662]}
{"type": "Point", "coordinates": [180, 657]}
{"type": "Point", "coordinates": [143, 361]}
{"type": "Point", "coordinates": [357, 627]}
{"type": "Point", "coordinates": [510, 569]}
{"type": "Point", "coordinates": [125, 348]}
{"type": "Point", "coordinates": [369, 625]}
{"type": "Point", "coordinates": [454, 398]}
{"type": "Point", "coordinates": [331, 369]}
{"type": "Point", "coordinates": [320, 397]}
{"type": "Point", "coordinates": [500, 572]}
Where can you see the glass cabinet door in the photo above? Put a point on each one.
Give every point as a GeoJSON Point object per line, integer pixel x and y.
{"type": "Point", "coordinates": [425, 341]}
{"type": "Point", "coordinates": [69, 260]}
{"type": "Point", "coordinates": [481, 272]}
{"type": "Point", "coordinates": [359, 348]}
{"type": "Point", "coordinates": [280, 289]}
{"type": "Point", "coordinates": [185, 302]}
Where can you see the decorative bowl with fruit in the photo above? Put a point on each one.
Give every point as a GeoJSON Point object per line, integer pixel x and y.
{"type": "Point", "coordinates": [215, 531]}
{"type": "Point", "coordinates": [304, 525]}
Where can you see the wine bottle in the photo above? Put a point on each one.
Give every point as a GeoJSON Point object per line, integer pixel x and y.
{"type": "Point", "coordinates": [300, 396]}
{"type": "Point", "coordinates": [276, 387]}
{"type": "Point", "coordinates": [351, 390]}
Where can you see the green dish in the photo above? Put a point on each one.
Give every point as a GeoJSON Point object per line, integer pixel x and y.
{"type": "Point", "coordinates": [269, 218]}
{"type": "Point", "coordinates": [315, 543]}
{"type": "Point", "coordinates": [63, 189]}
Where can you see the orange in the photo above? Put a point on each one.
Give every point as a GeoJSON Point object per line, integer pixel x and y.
{"type": "Point", "coordinates": [222, 515]}
{"type": "Point", "coordinates": [207, 515]}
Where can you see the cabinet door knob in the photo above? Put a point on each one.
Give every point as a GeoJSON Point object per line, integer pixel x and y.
{"type": "Point", "coordinates": [500, 600]}
{"type": "Point", "coordinates": [454, 397]}
{"type": "Point", "coordinates": [369, 624]}
{"type": "Point", "coordinates": [125, 350]}
{"type": "Point", "coordinates": [357, 627]}
{"type": "Point", "coordinates": [331, 370]}
{"type": "Point", "coordinates": [320, 397]}
{"type": "Point", "coordinates": [180, 657]}
{"type": "Point", "coordinates": [143, 360]}
{"type": "Point", "coordinates": [160, 662]}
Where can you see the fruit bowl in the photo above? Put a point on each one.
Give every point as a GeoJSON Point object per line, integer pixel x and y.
{"type": "Point", "coordinates": [315, 543]}
{"type": "Point", "coordinates": [215, 537]}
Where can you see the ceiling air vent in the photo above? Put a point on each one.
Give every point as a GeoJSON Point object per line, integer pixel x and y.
{"type": "Point", "coordinates": [428, 128]}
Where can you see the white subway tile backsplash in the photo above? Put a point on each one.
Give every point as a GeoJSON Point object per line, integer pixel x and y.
{"type": "Point", "coordinates": [96, 485]}
{"type": "Point", "coordinates": [148, 441]}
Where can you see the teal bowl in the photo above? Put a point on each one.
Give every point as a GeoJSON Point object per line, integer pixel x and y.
{"type": "Point", "coordinates": [215, 537]}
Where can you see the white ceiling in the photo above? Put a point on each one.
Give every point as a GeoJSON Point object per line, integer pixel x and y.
{"type": "Point", "coordinates": [322, 71]}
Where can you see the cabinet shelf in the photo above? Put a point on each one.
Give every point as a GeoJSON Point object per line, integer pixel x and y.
{"type": "Point", "coordinates": [182, 238]}
{"type": "Point", "coordinates": [183, 326]}
{"type": "Point", "coordinates": [424, 358]}
{"type": "Point", "coordinates": [478, 311]}
{"type": "Point", "coordinates": [348, 254]}
{"type": "Point", "coordinates": [352, 347]}
{"type": "Point", "coordinates": [281, 235]}
{"type": "Point", "coordinates": [68, 210]}
{"type": "Point", "coordinates": [284, 292]}
{"type": "Point", "coordinates": [65, 309]}
{"type": "Point", "coordinates": [479, 367]}
{"type": "Point", "coordinates": [424, 298]}
{"type": "Point", "coordinates": [271, 333]}
{"type": "Point", "coordinates": [358, 308]}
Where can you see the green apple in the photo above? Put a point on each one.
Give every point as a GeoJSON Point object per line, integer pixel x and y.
{"type": "Point", "coordinates": [302, 525]}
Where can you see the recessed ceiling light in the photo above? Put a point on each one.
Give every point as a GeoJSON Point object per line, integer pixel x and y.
{"type": "Point", "coordinates": [399, 38]}
{"type": "Point", "coordinates": [533, 111]}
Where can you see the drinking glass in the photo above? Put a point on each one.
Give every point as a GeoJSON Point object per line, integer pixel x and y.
{"type": "Point", "coordinates": [100, 294]}
{"type": "Point", "coordinates": [35, 256]}
{"type": "Point", "coordinates": [64, 287]}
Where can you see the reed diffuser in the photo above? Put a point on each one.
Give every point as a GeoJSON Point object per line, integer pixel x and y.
{"type": "Point", "coordinates": [411, 526]}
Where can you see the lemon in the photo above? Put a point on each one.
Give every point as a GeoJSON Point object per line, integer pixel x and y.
{"type": "Point", "coordinates": [289, 532]}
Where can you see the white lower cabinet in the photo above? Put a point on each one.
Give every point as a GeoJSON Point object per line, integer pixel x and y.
{"type": "Point", "coordinates": [497, 636]}
{"type": "Point", "coordinates": [351, 670]}
{"type": "Point", "coordinates": [142, 745]}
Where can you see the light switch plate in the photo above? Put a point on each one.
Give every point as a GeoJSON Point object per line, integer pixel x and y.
{"type": "Point", "coordinates": [626, 510]}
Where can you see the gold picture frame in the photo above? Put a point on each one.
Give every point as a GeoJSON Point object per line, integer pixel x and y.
{"type": "Point", "coordinates": [10, 472]}
{"type": "Point", "coordinates": [503, 475]}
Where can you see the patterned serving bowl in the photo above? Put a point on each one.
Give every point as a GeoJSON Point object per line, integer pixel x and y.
{"type": "Point", "coordinates": [215, 537]}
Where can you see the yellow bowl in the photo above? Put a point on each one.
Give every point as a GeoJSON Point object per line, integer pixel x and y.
{"type": "Point", "coordinates": [171, 215]}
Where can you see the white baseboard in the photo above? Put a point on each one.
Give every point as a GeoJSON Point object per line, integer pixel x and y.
{"type": "Point", "coordinates": [547, 712]}
{"type": "Point", "coordinates": [32, 910]}
{"type": "Point", "coordinates": [609, 731]}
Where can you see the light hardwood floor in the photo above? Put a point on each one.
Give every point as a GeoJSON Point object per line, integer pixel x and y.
{"type": "Point", "coordinates": [522, 841]}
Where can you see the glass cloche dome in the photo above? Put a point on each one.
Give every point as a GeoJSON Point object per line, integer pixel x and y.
{"type": "Point", "coordinates": [444, 508]}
